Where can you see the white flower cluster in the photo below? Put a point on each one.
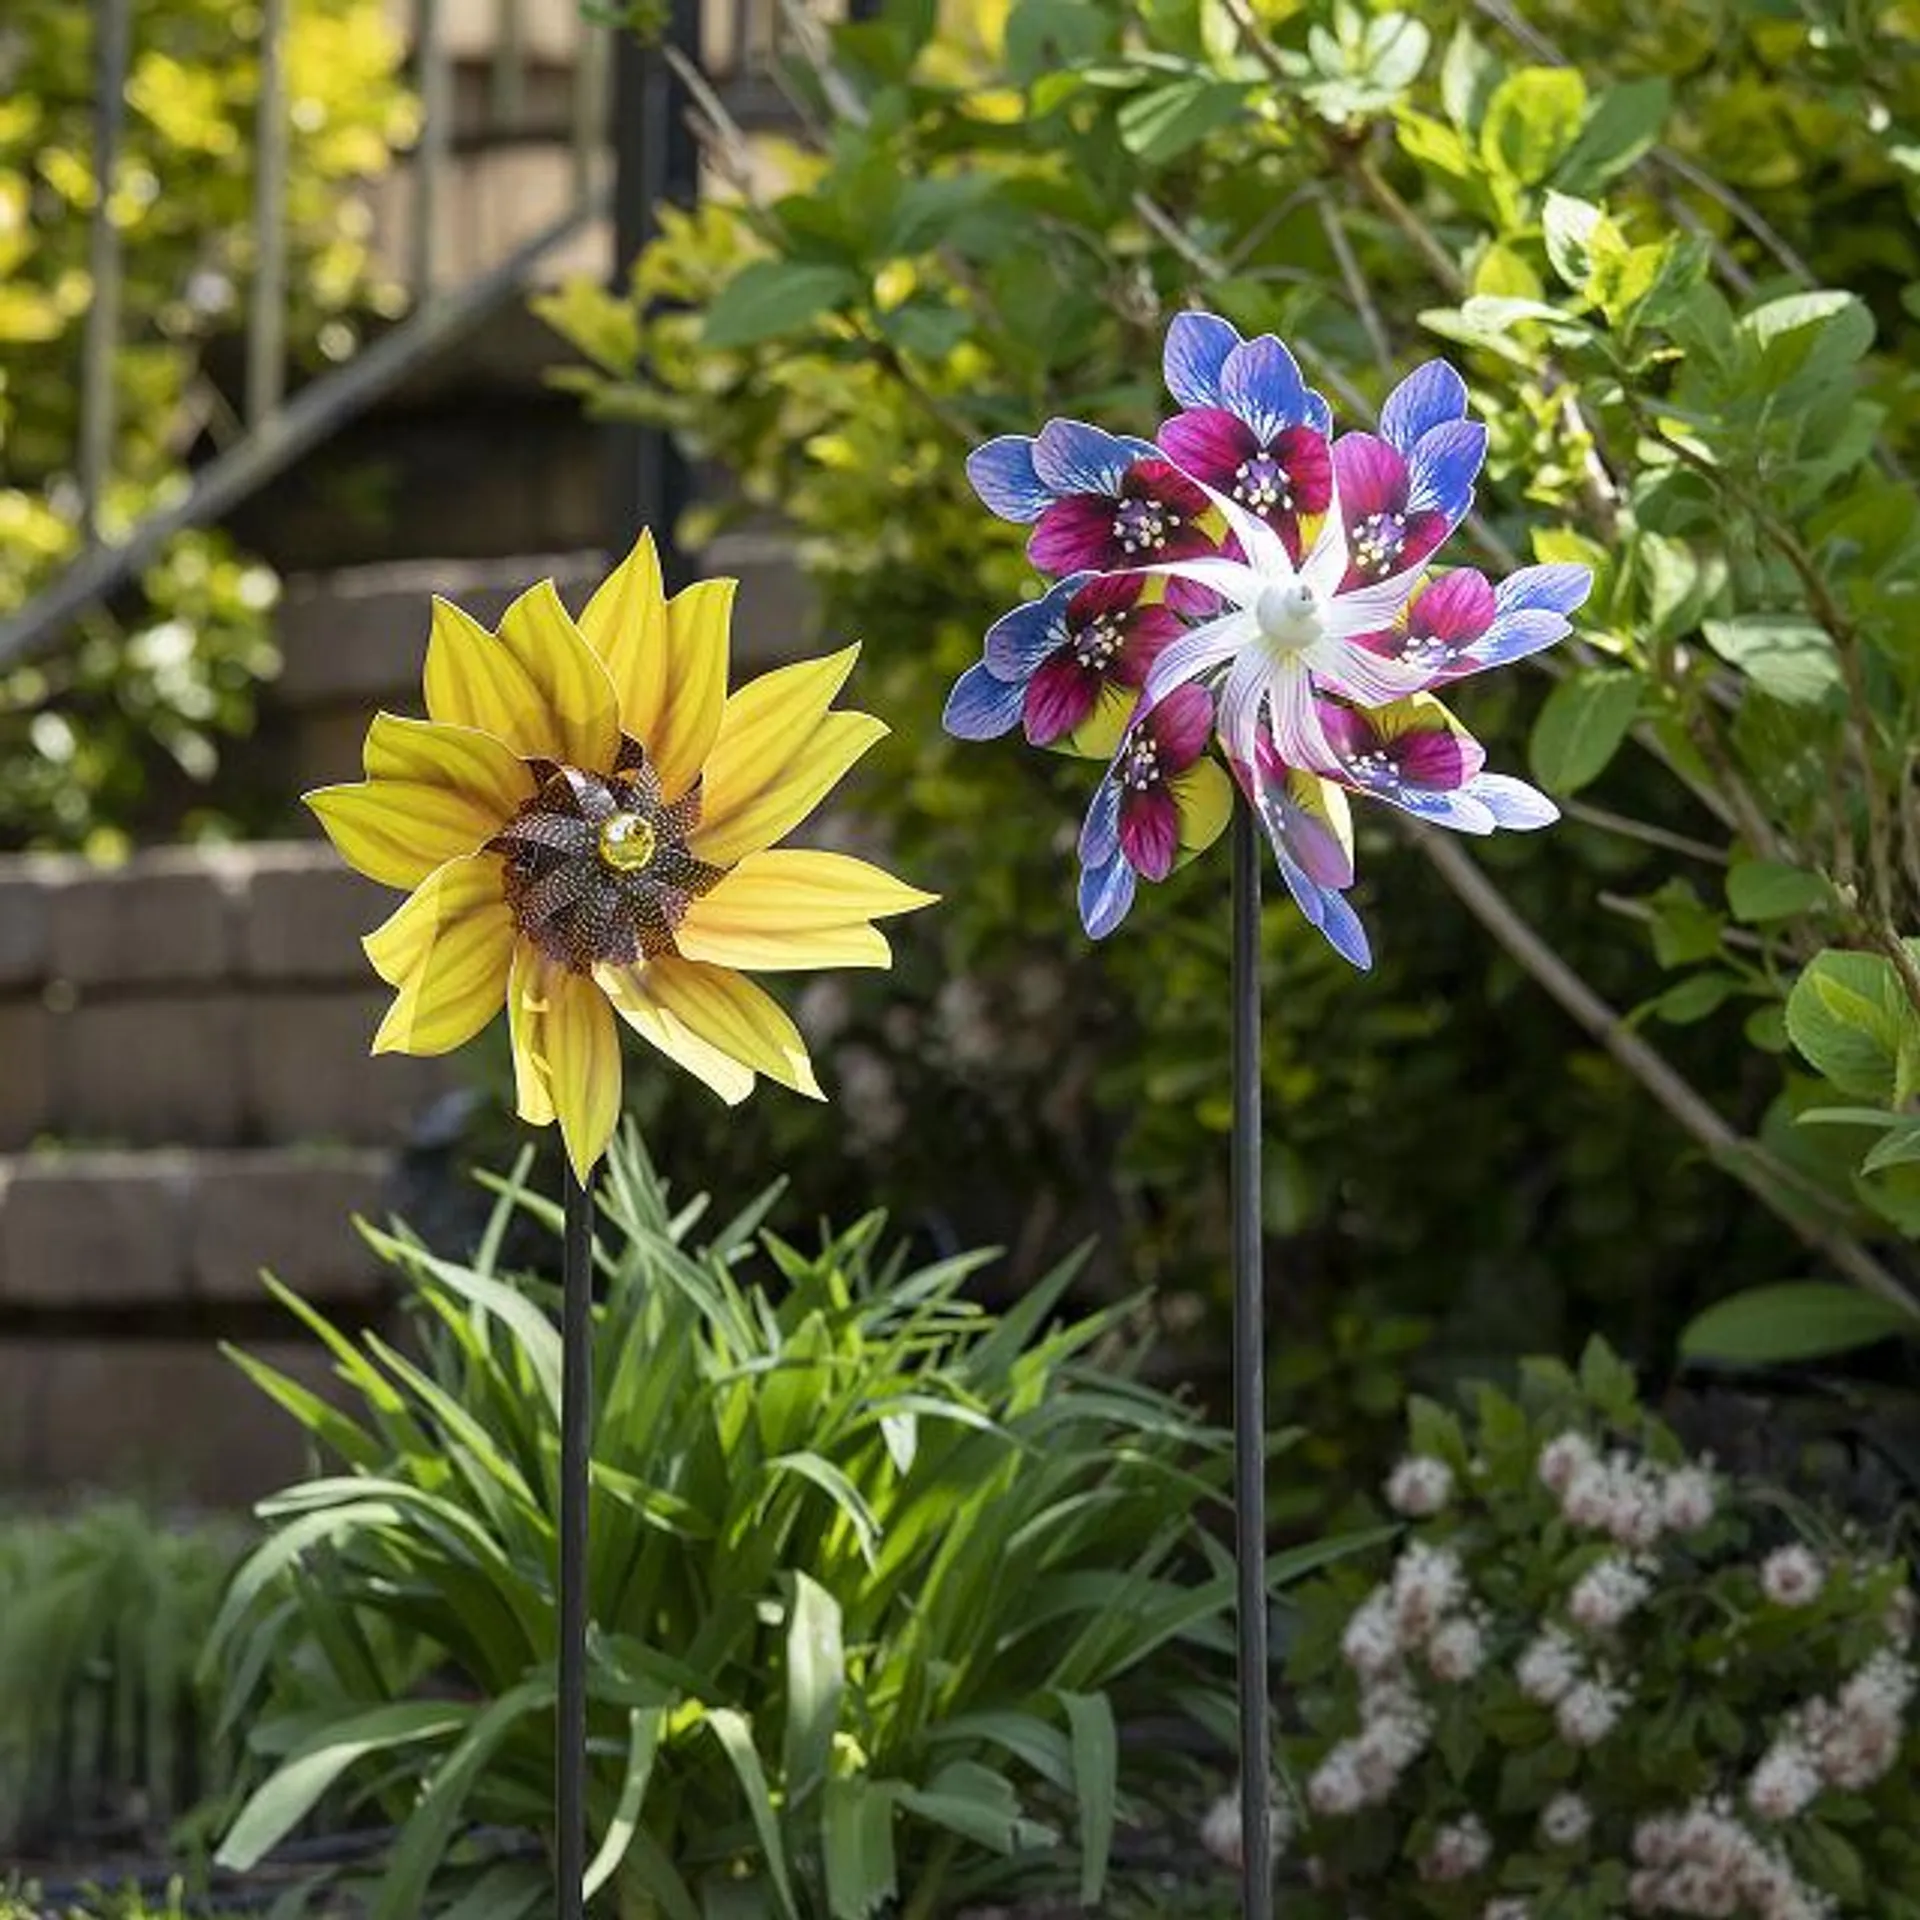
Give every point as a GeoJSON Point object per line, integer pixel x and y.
{"type": "Point", "coordinates": [1792, 1577]}
{"type": "Point", "coordinates": [1634, 1502]}
{"type": "Point", "coordinates": [1849, 1742]}
{"type": "Point", "coordinates": [1703, 1861]}
{"type": "Point", "coordinates": [1587, 1703]}
{"type": "Point", "coordinates": [1607, 1592]}
{"type": "Point", "coordinates": [1458, 1850]}
{"type": "Point", "coordinates": [1220, 1830]}
{"type": "Point", "coordinates": [1419, 1486]}
{"type": "Point", "coordinates": [1565, 1820]}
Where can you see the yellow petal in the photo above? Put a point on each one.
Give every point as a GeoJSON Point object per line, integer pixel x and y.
{"type": "Point", "coordinates": [707, 1063]}
{"type": "Point", "coordinates": [398, 831]}
{"type": "Point", "coordinates": [625, 623]}
{"type": "Point", "coordinates": [1204, 795]}
{"type": "Point", "coordinates": [539, 632]}
{"type": "Point", "coordinates": [447, 950]}
{"type": "Point", "coordinates": [732, 1014]}
{"type": "Point", "coordinates": [798, 889]}
{"type": "Point", "coordinates": [854, 944]}
{"type": "Point", "coordinates": [461, 759]}
{"type": "Point", "coordinates": [682, 730]}
{"type": "Point", "coordinates": [531, 1097]}
{"type": "Point", "coordinates": [566, 1055]}
{"type": "Point", "coordinates": [536, 685]}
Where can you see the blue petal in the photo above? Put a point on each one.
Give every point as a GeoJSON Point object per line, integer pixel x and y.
{"type": "Point", "coordinates": [1018, 642]}
{"type": "Point", "coordinates": [1261, 384]}
{"type": "Point", "coordinates": [1344, 932]}
{"type": "Point", "coordinates": [1197, 347]}
{"type": "Point", "coordinates": [1319, 414]}
{"type": "Point", "coordinates": [1427, 398]}
{"type": "Point", "coordinates": [981, 707]}
{"type": "Point", "coordinates": [1443, 467]}
{"type": "Point", "coordinates": [1003, 476]}
{"type": "Point", "coordinates": [1106, 893]}
{"type": "Point", "coordinates": [1072, 457]}
{"type": "Point", "coordinates": [1513, 636]}
{"type": "Point", "coordinates": [1100, 835]}
{"type": "Point", "coordinates": [1514, 805]}
{"type": "Point", "coordinates": [1559, 588]}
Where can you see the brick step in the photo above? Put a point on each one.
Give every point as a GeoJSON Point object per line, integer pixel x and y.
{"type": "Point", "coordinates": [200, 997]}
{"type": "Point", "coordinates": [354, 639]}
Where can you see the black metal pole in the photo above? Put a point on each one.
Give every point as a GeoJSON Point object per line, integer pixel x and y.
{"type": "Point", "coordinates": [656, 160]}
{"type": "Point", "coordinates": [1249, 1379]}
{"type": "Point", "coordinates": [576, 1437]}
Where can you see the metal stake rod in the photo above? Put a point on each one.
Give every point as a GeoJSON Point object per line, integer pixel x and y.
{"type": "Point", "coordinates": [1249, 1378]}
{"type": "Point", "coordinates": [576, 1432]}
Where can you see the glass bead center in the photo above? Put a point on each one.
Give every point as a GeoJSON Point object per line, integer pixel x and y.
{"type": "Point", "coordinates": [628, 842]}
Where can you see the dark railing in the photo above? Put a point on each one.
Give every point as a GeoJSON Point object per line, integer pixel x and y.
{"type": "Point", "coordinates": [625, 99]}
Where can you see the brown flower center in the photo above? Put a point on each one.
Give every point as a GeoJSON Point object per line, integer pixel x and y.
{"type": "Point", "coordinates": [596, 865]}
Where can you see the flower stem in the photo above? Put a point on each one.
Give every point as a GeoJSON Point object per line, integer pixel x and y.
{"type": "Point", "coordinates": [1249, 1378]}
{"type": "Point", "coordinates": [576, 1431]}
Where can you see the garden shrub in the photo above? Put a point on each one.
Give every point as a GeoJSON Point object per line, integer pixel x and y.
{"type": "Point", "coordinates": [1677, 260]}
{"type": "Point", "coordinates": [1595, 1676]}
{"type": "Point", "coordinates": [875, 1576]}
{"type": "Point", "coordinates": [118, 728]}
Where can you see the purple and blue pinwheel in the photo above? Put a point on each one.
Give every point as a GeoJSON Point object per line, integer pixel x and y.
{"type": "Point", "coordinates": [1250, 586]}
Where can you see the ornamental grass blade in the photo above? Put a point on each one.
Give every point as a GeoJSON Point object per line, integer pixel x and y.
{"type": "Point", "coordinates": [856, 1827]}
{"type": "Point", "coordinates": [1096, 1784]}
{"type": "Point", "coordinates": [509, 1890]}
{"type": "Point", "coordinates": [289, 1794]}
{"type": "Point", "coordinates": [834, 1483]}
{"type": "Point", "coordinates": [643, 1742]}
{"type": "Point", "coordinates": [328, 1425]}
{"type": "Point", "coordinates": [735, 1735]}
{"type": "Point", "coordinates": [816, 1678]}
{"type": "Point", "coordinates": [1030, 1739]}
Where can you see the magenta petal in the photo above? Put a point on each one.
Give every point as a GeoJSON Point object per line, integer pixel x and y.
{"type": "Point", "coordinates": [1349, 732]}
{"type": "Point", "coordinates": [1149, 831]}
{"type": "Point", "coordinates": [1425, 532]}
{"type": "Point", "coordinates": [1308, 461]}
{"type": "Point", "coordinates": [1180, 725]}
{"type": "Point", "coordinates": [1457, 608]}
{"type": "Point", "coordinates": [1372, 477]}
{"type": "Point", "coordinates": [1209, 443]}
{"type": "Point", "coordinates": [1317, 848]}
{"type": "Point", "coordinates": [1439, 760]}
{"type": "Point", "coordinates": [1073, 533]}
{"type": "Point", "coordinates": [1115, 593]}
{"type": "Point", "coordinates": [1059, 697]}
{"type": "Point", "coordinates": [1150, 631]}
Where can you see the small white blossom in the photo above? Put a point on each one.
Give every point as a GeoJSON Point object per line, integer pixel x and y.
{"type": "Point", "coordinates": [1459, 1849]}
{"type": "Point", "coordinates": [1457, 1651]}
{"type": "Point", "coordinates": [1688, 1500]}
{"type": "Point", "coordinates": [1561, 1458]}
{"type": "Point", "coordinates": [1548, 1668]}
{"type": "Point", "coordinates": [1606, 1593]}
{"type": "Point", "coordinates": [1507, 1907]}
{"type": "Point", "coordinates": [1565, 1820]}
{"type": "Point", "coordinates": [1419, 1486]}
{"type": "Point", "coordinates": [1589, 1711]}
{"type": "Point", "coordinates": [1334, 1788]}
{"type": "Point", "coordinates": [1784, 1783]}
{"type": "Point", "coordinates": [1901, 1611]}
{"type": "Point", "coordinates": [1371, 1644]}
{"type": "Point", "coordinates": [1220, 1830]}
{"type": "Point", "coordinates": [1792, 1577]}
{"type": "Point", "coordinates": [1428, 1584]}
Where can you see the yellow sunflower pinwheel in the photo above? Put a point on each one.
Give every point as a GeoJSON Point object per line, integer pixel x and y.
{"type": "Point", "coordinates": [586, 823]}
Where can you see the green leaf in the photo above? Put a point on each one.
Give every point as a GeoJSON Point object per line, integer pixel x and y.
{"type": "Point", "coordinates": [289, 1794]}
{"type": "Point", "coordinates": [769, 299]}
{"type": "Point", "coordinates": [1624, 122]}
{"type": "Point", "coordinates": [1533, 119]}
{"type": "Point", "coordinates": [1849, 1016]}
{"type": "Point", "coordinates": [643, 1742]}
{"type": "Point", "coordinates": [1468, 76]}
{"type": "Point", "coordinates": [1760, 890]}
{"type": "Point", "coordinates": [1096, 1773]}
{"type": "Point", "coordinates": [735, 1735]}
{"type": "Point", "coordinates": [857, 1842]}
{"type": "Point", "coordinates": [1694, 998]}
{"type": "Point", "coordinates": [1898, 1147]}
{"type": "Point", "coordinates": [1568, 226]}
{"type": "Point", "coordinates": [1799, 1320]}
{"type": "Point", "coordinates": [1580, 728]}
{"type": "Point", "coordinates": [1781, 653]}
{"type": "Point", "coordinates": [1819, 334]}
{"type": "Point", "coordinates": [1159, 125]}
{"type": "Point", "coordinates": [816, 1677]}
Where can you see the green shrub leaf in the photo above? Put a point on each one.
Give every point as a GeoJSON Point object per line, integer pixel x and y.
{"type": "Point", "coordinates": [1800, 1320]}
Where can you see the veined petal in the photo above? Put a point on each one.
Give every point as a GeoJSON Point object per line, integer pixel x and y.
{"type": "Point", "coordinates": [627, 992]}
{"type": "Point", "coordinates": [1003, 476]}
{"type": "Point", "coordinates": [1326, 563]}
{"type": "Point", "coordinates": [982, 706]}
{"type": "Point", "coordinates": [625, 623]}
{"type": "Point", "coordinates": [532, 1100]}
{"type": "Point", "coordinates": [799, 890]}
{"type": "Point", "coordinates": [1072, 457]}
{"type": "Point", "coordinates": [1428, 397]}
{"type": "Point", "coordinates": [1232, 580]}
{"type": "Point", "coordinates": [731, 1014]}
{"type": "Point", "coordinates": [1197, 348]}
{"type": "Point", "coordinates": [1106, 893]}
{"type": "Point", "coordinates": [1559, 587]}
{"type": "Point", "coordinates": [460, 759]}
{"type": "Point", "coordinates": [852, 944]}
{"type": "Point", "coordinates": [1369, 678]}
{"type": "Point", "coordinates": [774, 730]}
{"type": "Point", "coordinates": [1261, 383]}
{"type": "Point", "coordinates": [1198, 652]}
{"type": "Point", "coordinates": [1100, 831]}
{"type": "Point", "coordinates": [398, 833]}
{"type": "Point", "coordinates": [1022, 638]}
{"type": "Point", "coordinates": [447, 949]}
{"type": "Point", "coordinates": [566, 1055]}
{"type": "Point", "coordinates": [1298, 736]}
{"type": "Point", "coordinates": [1515, 805]}
{"type": "Point", "coordinates": [539, 632]}
{"type": "Point", "coordinates": [684, 726]}
{"type": "Point", "coordinates": [474, 681]}
{"type": "Point", "coordinates": [1367, 609]}
{"type": "Point", "coordinates": [1443, 467]}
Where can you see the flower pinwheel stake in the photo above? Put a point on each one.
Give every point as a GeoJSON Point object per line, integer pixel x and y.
{"type": "Point", "coordinates": [1250, 603]}
{"type": "Point", "coordinates": [586, 821]}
